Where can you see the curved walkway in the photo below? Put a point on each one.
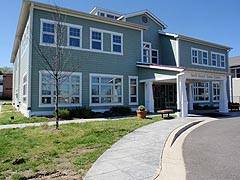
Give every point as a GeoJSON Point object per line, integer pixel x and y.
{"type": "Point", "coordinates": [137, 156]}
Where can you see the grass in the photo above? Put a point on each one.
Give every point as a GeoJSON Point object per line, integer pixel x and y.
{"type": "Point", "coordinates": [8, 111]}
{"type": "Point", "coordinates": [75, 147]}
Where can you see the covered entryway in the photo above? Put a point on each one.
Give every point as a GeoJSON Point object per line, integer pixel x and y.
{"type": "Point", "coordinates": [165, 96]}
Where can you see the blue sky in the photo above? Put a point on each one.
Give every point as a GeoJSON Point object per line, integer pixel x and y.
{"type": "Point", "coordinates": [216, 21]}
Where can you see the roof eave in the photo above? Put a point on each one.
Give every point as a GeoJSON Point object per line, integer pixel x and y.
{"type": "Point", "coordinates": [20, 27]}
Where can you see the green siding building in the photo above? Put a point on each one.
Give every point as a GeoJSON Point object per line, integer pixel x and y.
{"type": "Point", "coordinates": [112, 59]}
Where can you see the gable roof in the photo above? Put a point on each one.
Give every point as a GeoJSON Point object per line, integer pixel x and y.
{"type": "Point", "coordinates": [96, 9]}
{"type": "Point", "coordinates": [145, 12]}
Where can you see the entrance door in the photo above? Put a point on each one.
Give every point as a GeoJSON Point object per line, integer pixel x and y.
{"type": "Point", "coordinates": [165, 96]}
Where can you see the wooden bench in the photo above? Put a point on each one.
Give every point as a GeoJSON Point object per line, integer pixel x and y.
{"type": "Point", "coordinates": [165, 111]}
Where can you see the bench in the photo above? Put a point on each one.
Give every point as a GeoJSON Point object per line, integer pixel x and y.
{"type": "Point", "coordinates": [165, 111]}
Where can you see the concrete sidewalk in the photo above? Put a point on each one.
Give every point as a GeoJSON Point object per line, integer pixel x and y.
{"type": "Point", "coordinates": [137, 156]}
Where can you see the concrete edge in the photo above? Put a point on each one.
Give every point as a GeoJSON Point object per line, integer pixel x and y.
{"type": "Point", "coordinates": [172, 163]}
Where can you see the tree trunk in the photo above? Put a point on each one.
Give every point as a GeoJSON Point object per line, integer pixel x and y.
{"type": "Point", "coordinates": [56, 104]}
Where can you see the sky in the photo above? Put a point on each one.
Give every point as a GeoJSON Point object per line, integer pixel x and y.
{"type": "Point", "coordinates": [217, 21]}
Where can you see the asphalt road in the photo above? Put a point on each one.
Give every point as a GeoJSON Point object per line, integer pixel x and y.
{"type": "Point", "coordinates": [212, 151]}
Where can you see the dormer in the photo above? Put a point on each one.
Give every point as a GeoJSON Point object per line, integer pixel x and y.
{"type": "Point", "coordinates": [105, 13]}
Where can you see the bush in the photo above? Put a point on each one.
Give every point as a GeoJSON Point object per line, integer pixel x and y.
{"type": "Point", "coordinates": [64, 114]}
{"type": "Point", "coordinates": [141, 108]}
{"type": "Point", "coordinates": [120, 110]}
{"type": "Point", "coordinates": [82, 112]}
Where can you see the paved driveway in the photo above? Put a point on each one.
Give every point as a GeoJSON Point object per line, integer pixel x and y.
{"type": "Point", "coordinates": [212, 151]}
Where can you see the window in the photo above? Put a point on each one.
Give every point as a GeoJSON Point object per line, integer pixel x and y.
{"type": "Point", "coordinates": [201, 92]}
{"type": "Point", "coordinates": [106, 89]}
{"type": "Point", "coordinates": [205, 57]}
{"type": "Point", "coordinates": [24, 89]}
{"type": "Point", "coordinates": [116, 43]}
{"type": "Point", "coordinates": [133, 90]}
{"type": "Point", "coordinates": [74, 37]}
{"type": "Point", "coordinates": [237, 73]}
{"type": "Point", "coordinates": [147, 52]}
{"type": "Point", "coordinates": [222, 60]}
{"type": "Point", "coordinates": [214, 59]}
{"type": "Point", "coordinates": [69, 90]}
{"type": "Point", "coordinates": [216, 91]}
{"type": "Point", "coordinates": [194, 56]}
{"type": "Point", "coordinates": [48, 33]}
{"type": "Point", "coordinates": [96, 40]}
{"type": "Point", "coordinates": [155, 56]}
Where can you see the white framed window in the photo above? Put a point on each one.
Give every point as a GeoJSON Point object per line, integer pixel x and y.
{"type": "Point", "coordinates": [48, 32]}
{"type": "Point", "coordinates": [201, 92]}
{"type": "Point", "coordinates": [70, 90]}
{"type": "Point", "coordinates": [204, 57]}
{"type": "Point", "coordinates": [222, 60]}
{"type": "Point", "coordinates": [117, 43]}
{"type": "Point", "coordinates": [214, 59]}
{"type": "Point", "coordinates": [147, 52]}
{"type": "Point", "coordinates": [75, 36]}
{"type": "Point", "coordinates": [106, 89]}
{"type": "Point", "coordinates": [194, 56]}
{"type": "Point", "coordinates": [133, 90]}
{"type": "Point", "coordinates": [155, 56]}
{"type": "Point", "coordinates": [235, 72]}
{"type": "Point", "coordinates": [215, 91]}
{"type": "Point", "coordinates": [24, 89]}
{"type": "Point", "coordinates": [96, 39]}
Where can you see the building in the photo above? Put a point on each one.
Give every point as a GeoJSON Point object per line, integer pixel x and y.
{"type": "Point", "coordinates": [126, 60]}
{"type": "Point", "coordinates": [234, 65]}
{"type": "Point", "coordinates": [6, 86]}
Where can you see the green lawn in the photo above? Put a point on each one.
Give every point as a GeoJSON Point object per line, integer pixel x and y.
{"type": "Point", "coordinates": [8, 111]}
{"type": "Point", "coordinates": [75, 147]}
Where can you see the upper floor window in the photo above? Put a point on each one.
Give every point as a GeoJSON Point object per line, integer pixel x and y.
{"type": "Point", "coordinates": [155, 56]}
{"type": "Point", "coordinates": [222, 60]}
{"type": "Point", "coordinates": [194, 56]}
{"type": "Point", "coordinates": [204, 57]}
{"type": "Point", "coordinates": [116, 43]}
{"type": "Point", "coordinates": [74, 35]}
{"type": "Point", "coordinates": [48, 32]}
{"type": "Point", "coordinates": [146, 52]}
{"type": "Point", "coordinates": [214, 59]}
{"type": "Point", "coordinates": [96, 40]}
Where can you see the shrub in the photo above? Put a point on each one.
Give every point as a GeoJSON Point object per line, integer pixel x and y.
{"type": "Point", "coordinates": [64, 114]}
{"type": "Point", "coordinates": [120, 110]}
{"type": "Point", "coordinates": [82, 112]}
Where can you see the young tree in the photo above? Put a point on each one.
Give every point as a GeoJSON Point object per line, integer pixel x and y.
{"type": "Point", "coordinates": [56, 59]}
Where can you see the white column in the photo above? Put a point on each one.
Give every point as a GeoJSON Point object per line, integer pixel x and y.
{"type": "Point", "coordinates": [223, 101]}
{"type": "Point", "coordinates": [182, 102]}
{"type": "Point", "coordinates": [190, 97]}
{"type": "Point", "coordinates": [149, 101]}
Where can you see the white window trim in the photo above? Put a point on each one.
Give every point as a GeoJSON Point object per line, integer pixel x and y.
{"type": "Point", "coordinates": [212, 59]}
{"type": "Point", "coordinates": [112, 43]}
{"type": "Point", "coordinates": [213, 91]}
{"type": "Point", "coordinates": [90, 89]}
{"type": "Point", "coordinates": [24, 83]}
{"type": "Point", "coordinates": [194, 49]}
{"type": "Point", "coordinates": [202, 51]}
{"type": "Point", "coordinates": [129, 90]}
{"type": "Point", "coordinates": [150, 51]}
{"type": "Point", "coordinates": [219, 55]}
{"type": "Point", "coordinates": [204, 101]}
{"type": "Point", "coordinates": [99, 31]}
{"type": "Point", "coordinates": [52, 96]}
{"type": "Point", "coordinates": [41, 32]}
{"type": "Point", "coordinates": [68, 36]}
{"type": "Point", "coordinates": [156, 56]}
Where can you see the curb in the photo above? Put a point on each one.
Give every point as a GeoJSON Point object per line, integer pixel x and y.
{"type": "Point", "coordinates": [172, 163]}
